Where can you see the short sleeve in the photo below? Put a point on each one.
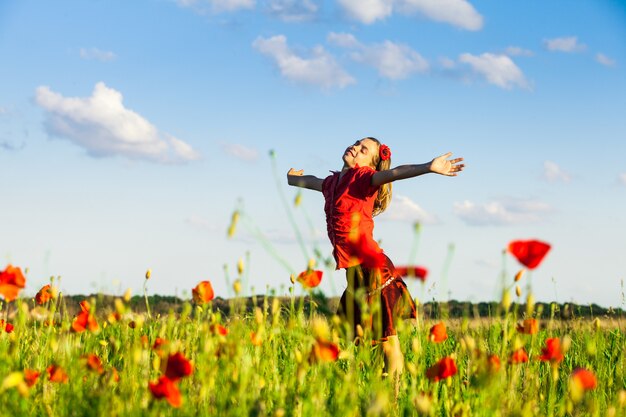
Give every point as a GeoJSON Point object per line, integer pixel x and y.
{"type": "Point", "coordinates": [326, 184]}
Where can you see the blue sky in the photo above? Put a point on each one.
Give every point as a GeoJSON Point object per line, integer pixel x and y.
{"type": "Point", "coordinates": [130, 131]}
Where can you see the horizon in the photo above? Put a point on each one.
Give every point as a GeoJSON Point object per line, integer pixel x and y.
{"type": "Point", "coordinates": [131, 132]}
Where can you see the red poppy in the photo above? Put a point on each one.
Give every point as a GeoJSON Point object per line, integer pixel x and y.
{"type": "Point", "coordinates": [445, 368]}
{"type": "Point", "coordinates": [31, 376]}
{"type": "Point", "coordinates": [6, 326]}
{"type": "Point", "coordinates": [178, 367]}
{"type": "Point", "coordinates": [412, 272]}
{"type": "Point", "coordinates": [519, 356]}
{"type": "Point", "coordinates": [529, 253]}
{"type": "Point", "coordinates": [493, 363]}
{"type": "Point", "coordinates": [528, 326]}
{"type": "Point", "coordinates": [438, 333]}
{"type": "Point", "coordinates": [158, 342]}
{"type": "Point", "coordinates": [310, 278]}
{"type": "Point", "coordinates": [166, 388]}
{"type": "Point", "coordinates": [256, 339]}
{"type": "Point", "coordinates": [325, 351]}
{"type": "Point", "coordinates": [367, 251]}
{"type": "Point", "coordinates": [84, 320]}
{"type": "Point", "coordinates": [552, 352]}
{"type": "Point", "coordinates": [584, 378]}
{"type": "Point", "coordinates": [57, 374]}
{"type": "Point", "coordinates": [11, 282]}
{"type": "Point", "coordinates": [94, 363]}
{"type": "Point", "coordinates": [203, 292]}
{"type": "Point", "coordinates": [219, 329]}
{"type": "Point", "coordinates": [44, 295]}
{"type": "Point", "coordinates": [384, 152]}
{"type": "Point", "coordinates": [115, 376]}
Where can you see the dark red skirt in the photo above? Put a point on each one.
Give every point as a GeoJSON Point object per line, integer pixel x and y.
{"type": "Point", "coordinates": [376, 299]}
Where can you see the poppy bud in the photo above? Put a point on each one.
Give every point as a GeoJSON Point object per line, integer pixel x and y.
{"type": "Point", "coordinates": [148, 273]}
{"type": "Point", "coordinates": [237, 286]}
{"type": "Point", "coordinates": [530, 305]}
{"type": "Point", "coordinates": [506, 299]}
{"type": "Point", "coordinates": [240, 266]}
{"type": "Point", "coordinates": [233, 224]}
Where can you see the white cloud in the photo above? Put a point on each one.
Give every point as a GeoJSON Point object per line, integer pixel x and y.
{"type": "Point", "coordinates": [391, 60]}
{"type": "Point", "coordinates": [565, 44]}
{"type": "Point", "coordinates": [367, 11]}
{"type": "Point", "coordinates": [552, 172]}
{"type": "Point", "coordinates": [499, 70]}
{"type": "Point", "coordinates": [3, 110]}
{"type": "Point", "coordinates": [97, 54]}
{"type": "Point", "coordinates": [402, 208]}
{"type": "Point", "coordinates": [446, 63]}
{"type": "Point", "coordinates": [240, 151]}
{"type": "Point", "coordinates": [499, 213]}
{"type": "Point", "coordinates": [293, 10]}
{"type": "Point", "coordinates": [517, 51]}
{"type": "Point", "coordinates": [344, 40]}
{"type": "Point", "coordinates": [104, 127]}
{"type": "Point", "coordinates": [320, 69]}
{"type": "Point", "coordinates": [622, 178]}
{"type": "Point", "coordinates": [217, 6]}
{"type": "Point", "coordinates": [459, 13]}
{"type": "Point", "coordinates": [605, 60]}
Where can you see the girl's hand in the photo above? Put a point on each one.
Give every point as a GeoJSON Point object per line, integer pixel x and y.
{"type": "Point", "coordinates": [304, 181]}
{"type": "Point", "coordinates": [441, 165]}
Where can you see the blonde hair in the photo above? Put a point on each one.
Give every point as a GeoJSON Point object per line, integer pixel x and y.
{"type": "Point", "coordinates": [384, 191]}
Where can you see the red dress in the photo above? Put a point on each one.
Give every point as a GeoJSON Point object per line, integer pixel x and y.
{"type": "Point", "coordinates": [349, 203]}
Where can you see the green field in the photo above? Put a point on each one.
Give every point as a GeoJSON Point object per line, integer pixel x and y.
{"type": "Point", "coordinates": [278, 359]}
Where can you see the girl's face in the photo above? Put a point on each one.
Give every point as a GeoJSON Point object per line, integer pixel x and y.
{"type": "Point", "coordinates": [362, 153]}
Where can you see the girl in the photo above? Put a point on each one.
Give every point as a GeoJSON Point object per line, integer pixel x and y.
{"type": "Point", "coordinates": [361, 190]}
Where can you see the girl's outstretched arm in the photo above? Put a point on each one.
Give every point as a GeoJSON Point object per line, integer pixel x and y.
{"type": "Point", "coordinates": [440, 165]}
{"type": "Point", "coordinates": [295, 178]}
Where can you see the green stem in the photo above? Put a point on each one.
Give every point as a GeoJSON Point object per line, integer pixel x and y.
{"type": "Point", "coordinates": [145, 296]}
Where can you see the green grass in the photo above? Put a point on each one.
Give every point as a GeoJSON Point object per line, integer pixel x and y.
{"type": "Point", "coordinates": [234, 377]}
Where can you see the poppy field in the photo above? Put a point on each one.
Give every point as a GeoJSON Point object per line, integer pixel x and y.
{"type": "Point", "coordinates": [289, 359]}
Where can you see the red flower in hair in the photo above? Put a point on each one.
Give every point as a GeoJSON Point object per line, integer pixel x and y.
{"type": "Point", "coordinates": [384, 152]}
{"type": "Point", "coordinates": [529, 253]}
